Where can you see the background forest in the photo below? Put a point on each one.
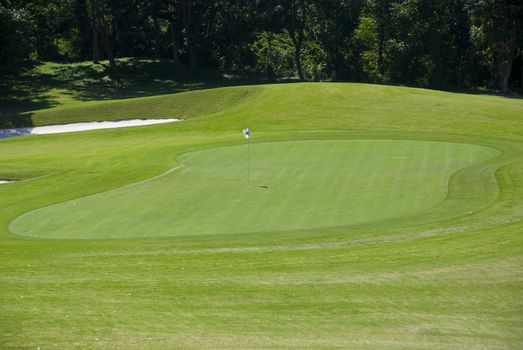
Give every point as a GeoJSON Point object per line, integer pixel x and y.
{"type": "Point", "coordinates": [448, 44]}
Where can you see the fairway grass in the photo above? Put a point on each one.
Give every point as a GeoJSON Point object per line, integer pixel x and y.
{"type": "Point", "coordinates": [293, 185]}
{"type": "Point", "coordinates": [392, 220]}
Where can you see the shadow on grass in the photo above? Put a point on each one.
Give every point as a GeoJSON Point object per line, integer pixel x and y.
{"type": "Point", "coordinates": [21, 93]}
{"type": "Point", "coordinates": [39, 86]}
{"type": "Point", "coordinates": [46, 85]}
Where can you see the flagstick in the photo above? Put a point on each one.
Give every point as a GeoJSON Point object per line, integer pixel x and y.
{"type": "Point", "coordinates": [249, 161]}
{"type": "Point", "coordinates": [247, 135]}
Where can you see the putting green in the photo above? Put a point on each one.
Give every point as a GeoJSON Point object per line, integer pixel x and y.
{"type": "Point", "coordinates": [310, 184]}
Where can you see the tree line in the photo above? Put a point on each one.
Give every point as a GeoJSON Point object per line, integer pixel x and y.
{"type": "Point", "coordinates": [428, 43]}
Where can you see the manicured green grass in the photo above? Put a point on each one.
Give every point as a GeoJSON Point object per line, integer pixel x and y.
{"type": "Point", "coordinates": [306, 185]}
{"type": "Point", "coordinates": [27, 96]}
{"type": "Point", "coordinates": [446, 277]}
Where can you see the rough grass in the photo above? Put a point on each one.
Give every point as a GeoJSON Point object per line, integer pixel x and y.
{"type": "Point", "coordinates": [423, 281]}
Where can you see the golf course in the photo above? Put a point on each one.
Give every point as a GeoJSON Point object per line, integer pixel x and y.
{"type": "Point", "coordinates": [356, 216]}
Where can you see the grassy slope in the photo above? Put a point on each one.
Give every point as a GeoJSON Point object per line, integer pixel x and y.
{"type": "Point", "coordinates": [186, 105]}
{"type": "Point", "coordinates": [27, 96]}
{"type": "Point", "coordinates": [451, 284]}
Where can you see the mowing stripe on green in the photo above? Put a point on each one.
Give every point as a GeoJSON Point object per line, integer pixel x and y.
{"type": "Point", "coordinates": [310, 184]}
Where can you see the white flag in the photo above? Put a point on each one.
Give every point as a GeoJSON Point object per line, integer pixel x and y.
{"type": "Point", "coordinates": [246, 133]}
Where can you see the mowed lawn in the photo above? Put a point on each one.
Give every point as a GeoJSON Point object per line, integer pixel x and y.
{"type": "Point", "coordinates": [391, 219]}
{"type": "Point", "coordinates": [276, 186]}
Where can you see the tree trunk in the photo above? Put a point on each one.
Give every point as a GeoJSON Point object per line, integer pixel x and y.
{"type": "Point", "coordinates": [270, 68]}
{"type": "Point", "coordinates": [506, 70]}
{"type": "Point", "coordinates": [521, 71]}
{"type": "Point", "coordinates": [110, 56]}
{"type": "Point", "coordinates": [296, 28]}
{"type": "Point", "coordinates": [334, 73]}
{"type": "Point", "coordinates": [297, 58]}
{"type": "Point", "coordinates": [507, 48]}
{"type": "Point", "coordinates": [327, 42]}
{"type": "Point", "coordinates": [381, 43]}
{"type": "Point", "coordinates": [381, 67]}
{"type": "Point", "coordinates": [189, 32]}
{"type": "Point", "coordinates": [94, 33]}
{"type": "Point", "coordinates": [101, 27]}
{"type": "Point", "coordinates": [297, 41]}
{"type": "Point", "coordinates": [156, 37]}
{"type": "Point", "coordinates": [96, 47]}
{"type": "Point", "coordinates": [176, 44]}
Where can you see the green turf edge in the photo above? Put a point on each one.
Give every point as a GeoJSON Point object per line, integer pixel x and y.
{"type": "Point", "coordinates": [456, 189]}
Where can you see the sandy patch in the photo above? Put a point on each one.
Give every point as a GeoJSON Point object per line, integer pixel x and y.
{"type": "Point", "coordinates": [55, 129]}
{"type": "Point", "coordinates": [5, 181]}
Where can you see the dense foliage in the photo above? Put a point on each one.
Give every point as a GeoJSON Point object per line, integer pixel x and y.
{"type": "Point", "coordinates": [436, 43]}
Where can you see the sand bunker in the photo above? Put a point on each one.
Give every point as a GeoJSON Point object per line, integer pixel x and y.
{"type": "Point", "coordinates": [5, 181]}
{"type": "Point", "coordinates": [55, 129]}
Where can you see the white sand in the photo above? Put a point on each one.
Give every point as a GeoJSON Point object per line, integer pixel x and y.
{"type": "Point", "coordinates": [55, 129]}
{"type": "Point", "coordinates": [5, 181]}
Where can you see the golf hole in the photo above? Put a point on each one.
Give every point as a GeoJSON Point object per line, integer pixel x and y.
{"type": "Point", "coordinates": [320, 183]}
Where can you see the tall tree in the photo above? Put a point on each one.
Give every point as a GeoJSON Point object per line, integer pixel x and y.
{"type": "Point", "coordinates": [296, 14]}
{"type": "Point", "coordinates": [189, 23]}
{"type": "Point", "coordinates": [328, 34]}
{"type": "Point", "coordinates": [101, 21]}
{"type": "Point", "coordinates": [337, 20]}
{"type": "Point", "coordinates": [501, 22]}
{"type": "Point", "coordinates": [174, 32]}
{"type": "Point", "coordinates": [154, 10]}
{"type": "Point", "coordinates": [269, 15]}
{"type": "Point", "coordinates": [15, 34]}
{"type": "Point", "coordinates": [458, 52]}
{"type": "Point", "coordinates": [95, 45]}
{"type": "Point", "coordinates": [381, 14]}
